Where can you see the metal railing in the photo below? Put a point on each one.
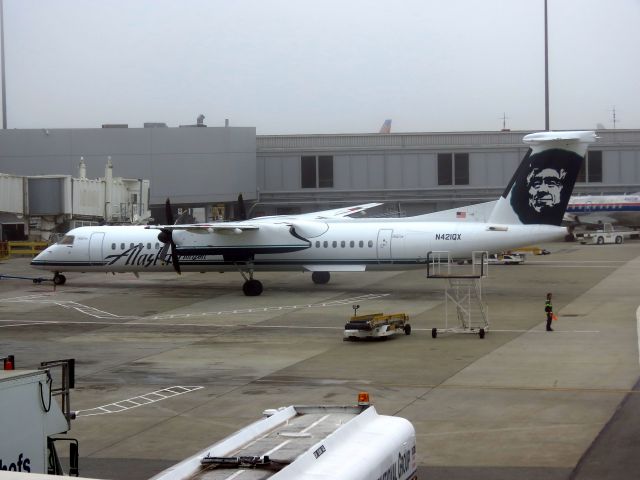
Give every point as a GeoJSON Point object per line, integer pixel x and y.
{"type": "Point", "coordinates": [8, 249]}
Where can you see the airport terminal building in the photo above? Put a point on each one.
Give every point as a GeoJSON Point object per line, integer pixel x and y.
{"type": "Point", "coordinates": [205, 168]}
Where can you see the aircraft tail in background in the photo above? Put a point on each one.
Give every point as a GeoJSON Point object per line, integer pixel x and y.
{"type": "Point", "coordinates": [386, 127]}
{"type": "Point", "coordinates": [539, 191]}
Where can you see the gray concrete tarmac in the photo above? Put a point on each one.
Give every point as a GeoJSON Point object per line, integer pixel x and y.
{"type": "Point", "coordinates": [521, 403]}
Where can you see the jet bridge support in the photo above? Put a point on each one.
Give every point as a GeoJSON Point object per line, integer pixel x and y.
{"type": "Point", "coordinates": [463, 292]}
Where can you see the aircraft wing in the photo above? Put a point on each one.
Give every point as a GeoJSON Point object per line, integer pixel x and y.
{"type": "Point", "coordinates": [338, 212]}
{"type": "Point", "coordinates": [322, 214]}
{"type": "Point", "coordinates": [268, 227]}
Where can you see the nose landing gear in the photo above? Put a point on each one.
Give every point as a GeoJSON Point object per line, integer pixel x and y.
{"type": "Point", "coordinates": [59, 279]}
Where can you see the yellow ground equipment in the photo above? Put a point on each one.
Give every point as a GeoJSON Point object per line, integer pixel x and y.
{"type": "Point", "coordinates": [376, 325]}
{"type": "Point", "coordinates": [22, 248]}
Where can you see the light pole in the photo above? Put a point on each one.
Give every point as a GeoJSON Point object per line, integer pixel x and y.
{"type": "Point", "coordinates": [546, 70]}
{"type": "Point", "coordinates": [4, 90]}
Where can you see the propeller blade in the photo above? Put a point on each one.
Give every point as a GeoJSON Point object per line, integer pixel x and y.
{"type": "Point", "coordinates": [166, 237]}
{"type": "Point", "coordinates": [242, 212]}
{"type": "Point", "coordinates": [168, 213]}
{"type": "Point", "coordinates": [174, 258]}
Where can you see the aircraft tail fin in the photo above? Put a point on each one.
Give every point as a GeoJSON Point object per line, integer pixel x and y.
{"type": "Point", "coordinates": [386, 127]}
{"type": "Point", "coordinates": [539, 191]}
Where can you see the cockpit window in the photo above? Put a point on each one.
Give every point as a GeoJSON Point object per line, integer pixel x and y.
{"type": "Point", "coordinates": [67, 240]}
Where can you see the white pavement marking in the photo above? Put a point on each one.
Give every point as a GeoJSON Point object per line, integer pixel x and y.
{"type": "Point", "coordinates": [152, 324]}
{"type": "Point", "coordinates": [101, 314]}
{"type": "Point", "coordinates": [250, 325]}
{"type": "Point", "coordinates": [117, 407]}
{"type": "Point", "coordinates": [582, 266]}
{"type": "Point", "coordinates": [544, 262]}
{"type": "Point", "coordinates": [21, 324]}
{"type": "Point", "coordinates": [638, 328]}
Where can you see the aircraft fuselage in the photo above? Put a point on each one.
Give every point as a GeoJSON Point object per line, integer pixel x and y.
{"type": "Point", "coordinates": [374, 245]}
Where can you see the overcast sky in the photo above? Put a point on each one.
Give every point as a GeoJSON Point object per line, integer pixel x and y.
{"type": "Point", "coordinates": [330, 66]}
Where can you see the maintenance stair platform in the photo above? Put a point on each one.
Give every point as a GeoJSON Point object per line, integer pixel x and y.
{"type": "Point", "coordinates": [463, 292]}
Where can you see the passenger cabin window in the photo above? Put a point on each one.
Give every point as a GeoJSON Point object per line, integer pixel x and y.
{"type": "Point", "coordinates": [67, 240]}
{"type": "Point", "coordinates": [148, 246]}
{"type": "Point", "coordinates": [122, 246]}
{"type": "Point", "coordinates": [113, 246]}
{"type": "Point", "coordinates": [317, 243]}
{"type": "Point", "coordinates": [361, 244]}
{"type": "Point", "coordinates": [370, 243]}
{"type": "Point", "coordinates": [342, 244]}
{"type": "Point", "coordinates": [334, 244]}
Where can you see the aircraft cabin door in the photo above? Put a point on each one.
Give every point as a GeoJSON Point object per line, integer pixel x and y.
{"type": "Point", "coordinates": [95, 248]}
{"type": "Point", "coordinates": [384, 244]}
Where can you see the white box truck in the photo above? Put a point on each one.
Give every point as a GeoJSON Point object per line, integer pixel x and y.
{"type": "Point", "coordinates": [30, 417]}
{"type": "Point", "coordinates": [309, 442]}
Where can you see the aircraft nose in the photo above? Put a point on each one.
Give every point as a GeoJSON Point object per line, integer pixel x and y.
{"type": "Point", "coordinates": [41, 257]}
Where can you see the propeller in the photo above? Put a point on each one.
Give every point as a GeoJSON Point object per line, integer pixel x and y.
{"type": "Point", "coordinates": [166, 236]}
{"type": "Point", "coordinates": [168, 213]}
{"type": "Point", "coordinates": [242, 211]}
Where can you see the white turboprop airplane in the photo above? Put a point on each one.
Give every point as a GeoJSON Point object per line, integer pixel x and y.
{"type": "Point", "coordinates": [529, 211]}
{"type": "Point", "coordinates": [600, 209]}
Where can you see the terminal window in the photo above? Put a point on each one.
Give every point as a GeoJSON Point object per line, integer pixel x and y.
{"type": "Point", "coordinates": [316, 171]}
{"type": "Point", "coordinates": [453, 169]}
{"type": "Point", "coordinates": [591, 170]}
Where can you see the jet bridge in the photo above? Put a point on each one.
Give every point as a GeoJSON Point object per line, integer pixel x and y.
{"type": "Point", "coordinates": [463, 291]}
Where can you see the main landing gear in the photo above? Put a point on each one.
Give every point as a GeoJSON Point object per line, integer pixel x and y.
{"type": "Point", "coordinates": [320, 278]}
{"type": "Point", "coordinates": [59, 279]}
{"type": "Point", "coordinates": [251, 287]}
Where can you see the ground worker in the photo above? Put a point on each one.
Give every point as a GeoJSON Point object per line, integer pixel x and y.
{"type": "Point", "coordinates": [548, 308]}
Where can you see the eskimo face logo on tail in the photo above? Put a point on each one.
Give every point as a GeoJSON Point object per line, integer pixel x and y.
{"type": "Point", "coordinates": [541, 191]}
{"type": "Point", "coordinates": [545, 187]}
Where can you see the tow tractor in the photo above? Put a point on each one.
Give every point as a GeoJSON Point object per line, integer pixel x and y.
{"type": "Point", "coordinates": [375, 325]}
{"type": "Point", "coordinates": [604, 236]}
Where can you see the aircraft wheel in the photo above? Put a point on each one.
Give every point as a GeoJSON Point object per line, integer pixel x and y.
{"type": "Point", "coordinates": [59, 279]}
{"type": "Point", "coordinates": [618, 239]}
{"type": "Point", "coordinates": [407, 329]}
{"type": "Point", "coordinates": [600, 240]}
{"type": "Point", "coordinates": [434, 332]}
{"type": "Point", "coordinates": [320, 278]}
{"type": "Point", "coordinates": [481, 333]}
{"type": "Point", "coordinates": [252, 288]}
